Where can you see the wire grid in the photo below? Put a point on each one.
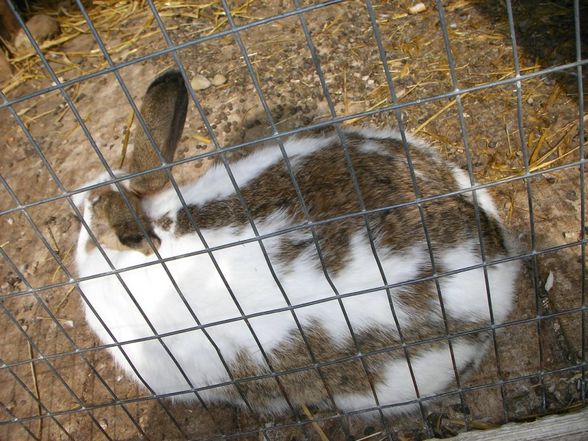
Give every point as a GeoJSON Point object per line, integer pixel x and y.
{"type": "Point", "coordinates": [309, 224]}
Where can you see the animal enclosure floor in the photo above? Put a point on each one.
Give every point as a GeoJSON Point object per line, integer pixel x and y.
{"type": "Point", "coordinates": [506, 386]}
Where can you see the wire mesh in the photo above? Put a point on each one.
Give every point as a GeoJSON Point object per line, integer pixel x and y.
{"type": "Point", "coordinates": [539, 377]}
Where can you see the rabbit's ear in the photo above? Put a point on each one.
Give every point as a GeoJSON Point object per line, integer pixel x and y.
{"type": "Point", "coordinates": [164, 111]}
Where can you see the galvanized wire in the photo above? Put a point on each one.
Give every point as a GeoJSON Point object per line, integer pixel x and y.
{"type": "Point", "coordinates": [581, 152]}
{"type": "Point", "coordinates": [308, 225]}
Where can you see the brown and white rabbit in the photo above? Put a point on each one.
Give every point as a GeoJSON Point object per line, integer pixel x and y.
{"type": "Point", "coordinates": [348, 265]}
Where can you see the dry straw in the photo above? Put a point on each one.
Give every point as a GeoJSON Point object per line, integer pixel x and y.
{"type": "Point", "coordinates": [125, 26]}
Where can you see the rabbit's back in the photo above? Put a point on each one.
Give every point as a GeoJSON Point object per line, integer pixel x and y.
{"type": "Point", "coordinates": [319, 267]}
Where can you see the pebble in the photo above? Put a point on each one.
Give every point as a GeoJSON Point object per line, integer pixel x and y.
{"type": "Point", "coordinates": [549, 282]}
{"type": "Point", "coordinates": [218, 80]}
{"type": "Point", "coordinates": [41, 27]}
{"type": "Point", "coordinates": [416, 9]}
{"type": "Point", "coordinates": [200, 82]}
{"type": "Point", "coordinates": [571, 195]}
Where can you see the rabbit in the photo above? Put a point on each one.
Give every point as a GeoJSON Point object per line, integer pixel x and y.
{"type": "Point", "coordinates": [332, 349]}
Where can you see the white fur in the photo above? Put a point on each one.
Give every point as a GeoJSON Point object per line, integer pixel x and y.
{"type": "Point", "coordinates": [433, 372]}
{"type": "Point", "coordinates": [255, 290]}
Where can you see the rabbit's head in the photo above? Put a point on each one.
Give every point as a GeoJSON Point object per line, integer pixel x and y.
{"type": "Point", "coordinates": [105, 210]}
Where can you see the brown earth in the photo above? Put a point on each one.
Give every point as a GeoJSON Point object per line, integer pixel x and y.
{"type": "Point", "coordinates": [510, 388]}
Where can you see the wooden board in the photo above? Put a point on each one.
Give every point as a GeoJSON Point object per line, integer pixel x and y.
{"type": "Point", "coordinates": [569, 427]}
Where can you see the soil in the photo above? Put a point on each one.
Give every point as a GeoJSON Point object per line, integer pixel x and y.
{"type": "Point", "coordinates": [535, 367]}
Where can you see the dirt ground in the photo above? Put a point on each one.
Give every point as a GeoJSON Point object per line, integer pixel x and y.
{"type": "Point", "coordinates": [536, 367]}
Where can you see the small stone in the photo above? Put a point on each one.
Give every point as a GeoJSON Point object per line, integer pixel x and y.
{"type": "Point", "coordinates": [41, 27]}
{"type": "Point", "coordinates": [549, 282]}
{"type": "Point", "coordinates": [416, 9]}
{"type": "Point", "coordinates": [530, 100]}
{"type": "Point", "coordinates": [218, 80]}
{"type": "Point", "coordinates": [200, 82]}
{"type": "Point", "coordinates": [571, 195]}
{"type": "Point", "coordinates": [5, 68]}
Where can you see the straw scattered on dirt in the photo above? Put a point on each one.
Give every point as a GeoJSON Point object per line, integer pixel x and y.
{"type": "Point", "coordinates": [353, 71]}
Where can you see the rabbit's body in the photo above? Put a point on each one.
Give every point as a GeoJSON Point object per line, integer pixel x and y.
{"type": "Point", "coordinates": [346, 265]}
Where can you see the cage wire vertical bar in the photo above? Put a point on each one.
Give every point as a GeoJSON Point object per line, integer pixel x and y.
{"type": "Point", "coordinates": [29, 392]}
{"type": "Point", "coordinates": [303, 206]}
{"type": "Point", "coordinates": [193, 223]}
{"type": "Point", "coordinates": [347, 158]}
{"type": "Point", "coordinates": [398, 115]}
{"type": "Point", "coordinates": [341, 135]}
{"type": "Point", "coordinates": [158, 256]}
{"type": "Point", "coordinates": [52, 253]}
{"type": "Point", "coordinates": [525, 152]}
{"type": "Point", "coordinates": [80, 121]}
{"type": "Point", "coordinates": [267, 111]}
{"type": "Point", "coordinates": [50, 313]}
{"type": "Point", "coordinates": [581, 135]}
{"type": "Point", "coordinates": [468, 153]}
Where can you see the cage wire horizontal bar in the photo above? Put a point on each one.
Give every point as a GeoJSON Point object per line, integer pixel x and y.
{"type": "Point", "coordinates": [338, 119]}
{"type": "Point", "coordinates": [234, 31]}
{"type": "Point", "coordinates": [308, 224]}
{"type": "Point", "coordinates": [154, 249]}
{"type": "Point", "coordinates": [317, 301]}
{"type": "Point", "coordinates": [366, 354]}
{"type": "Point", "coordinates": [169, 50]}
{"type": "Point", "coordinates": [342, 296]}
{"type": "Point", "coordinates": [323, 222]}
{"type": "Point", "coordinates": [315, 126]}
{"type": "Point", "coordinates": [317, 418]}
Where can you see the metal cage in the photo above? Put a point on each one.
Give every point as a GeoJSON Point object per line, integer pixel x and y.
{"type": "Point", "coordinates": [24, 410]}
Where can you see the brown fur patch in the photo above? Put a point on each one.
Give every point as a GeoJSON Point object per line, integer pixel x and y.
{"type": "Point", "coordinates": [327, 188]}
{"type": "Point", "coordinates": [164, 223]}
{"type": "Point", "coordinates": [305, 387]}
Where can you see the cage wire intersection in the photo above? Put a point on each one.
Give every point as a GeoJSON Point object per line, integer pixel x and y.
{"type": "Point", "coordinates": [13, 418]}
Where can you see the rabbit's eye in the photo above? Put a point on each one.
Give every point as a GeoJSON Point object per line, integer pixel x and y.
{"type": "Point", "coordinates": [132, 239]}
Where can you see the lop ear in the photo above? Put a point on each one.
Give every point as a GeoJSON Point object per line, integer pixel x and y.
{"type": "Point", "coordinates": [164, 110]}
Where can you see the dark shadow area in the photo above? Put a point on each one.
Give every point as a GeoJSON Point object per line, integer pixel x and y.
{"type": "Point", "coordinates": [545, 32]}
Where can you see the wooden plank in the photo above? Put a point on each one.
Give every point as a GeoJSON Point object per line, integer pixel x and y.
{"type": "Point", "coordinates": [568, 427]}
